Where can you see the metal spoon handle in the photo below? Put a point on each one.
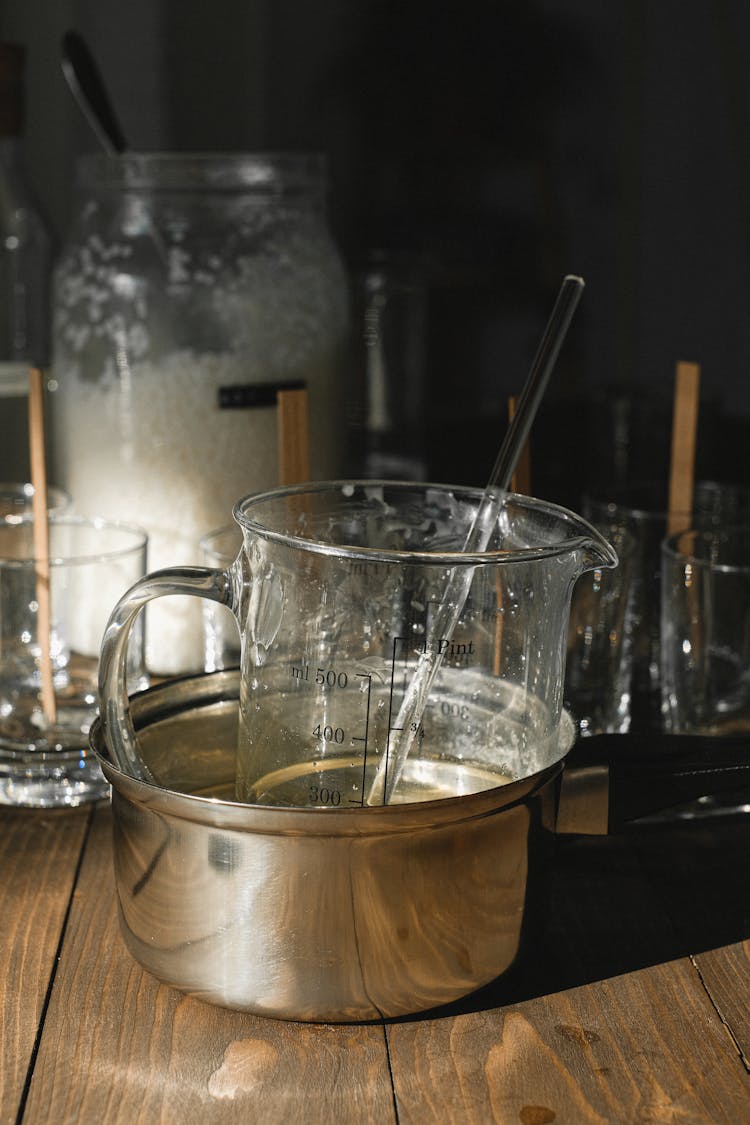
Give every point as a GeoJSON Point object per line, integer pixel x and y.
{"type": "Point", "coordinates": [87, 86]}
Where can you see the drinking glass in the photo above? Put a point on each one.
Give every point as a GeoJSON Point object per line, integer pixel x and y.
{"type": "Point", "coordinates": [705, 631]}
{"type": "Point", "coordinates": [16, 500]}
{"type": "Point", "coordinates": [599, 666]}
{"type": "Point", "coordinates": [48, 668]}
{"type": "Point", "coordinates": [637, 514]}
{"type": "Point", "coordinates": [616, 652]}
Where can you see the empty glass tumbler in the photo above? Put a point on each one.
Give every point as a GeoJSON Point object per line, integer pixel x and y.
{"type": "Point", "coordinates": [705, 631]}
{"type": "Point", "coordinates": [53, 610]}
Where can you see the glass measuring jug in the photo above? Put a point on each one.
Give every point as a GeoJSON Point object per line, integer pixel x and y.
{"type": "Point", "coordinates": [334, 591]}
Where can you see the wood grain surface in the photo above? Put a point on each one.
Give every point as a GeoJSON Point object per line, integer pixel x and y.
{"type": "Point", "coordinates": [609, 1018]}
{"type": "Point", "coordinates": [629, 1004]}
{"type": "Point", "coordinates": [120, 1047]}
{"type": "Point", "coordinates": [647, 1046]}
{"type": "Point", "coordinates": [39, 854]}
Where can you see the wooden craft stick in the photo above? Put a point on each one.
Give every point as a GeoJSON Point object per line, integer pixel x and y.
{"type": "Point", "coordinates": [521, 479]}
{"type": "Point", "coordinates": [294, 446]}
{"type": "Point", "coordinates": [684, 432]}
{"type": "Point", "coordinates": [41, 539]}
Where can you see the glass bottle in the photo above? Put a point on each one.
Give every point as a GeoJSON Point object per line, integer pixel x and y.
{"type": "Point", "coordinates": [388, 403]}
{"type": "Point", "coordinates": [25, 254]}
{"type": "Point", "coordinates": [191, 288]}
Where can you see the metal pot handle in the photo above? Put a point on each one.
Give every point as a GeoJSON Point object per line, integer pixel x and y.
{"type": "Point", "coordinates": [611, 780]}
{"type": "Point", "coordinates": [114, 708]}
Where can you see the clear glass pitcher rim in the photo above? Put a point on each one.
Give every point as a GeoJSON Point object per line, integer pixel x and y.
{"type": "Point", "coordinates": [583, 537]}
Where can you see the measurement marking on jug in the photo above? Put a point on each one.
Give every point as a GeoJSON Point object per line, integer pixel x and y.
{"type": "Point", "coordinates": [417, 728]}
{"type": "Point", "coordinates": [368, 677]}
{"type": "Point", "coordinates": [330, 734]}
{"type": "Point", "coordinates": [329, 677]}
{"type": "Point", "coordinates": [452, 650]}
{"type": "Point", "coordinates": [322, 795]}
{"type": "Point", "coordinates": [324, 677]}
{"type": "Point", "coordinates": [455, 650]}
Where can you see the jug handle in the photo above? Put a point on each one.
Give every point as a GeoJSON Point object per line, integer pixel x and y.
{"type": "Point", "coordinates": [114, 705]}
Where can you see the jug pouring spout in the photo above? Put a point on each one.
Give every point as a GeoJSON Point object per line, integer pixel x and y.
{"type": "Point", "coordinates": [537, 529]}
{"type": "Point", "coordinates": [596, 552]}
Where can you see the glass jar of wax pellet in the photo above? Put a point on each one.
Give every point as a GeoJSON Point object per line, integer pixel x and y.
{"type": "Point", "coordinates": [191, 290]}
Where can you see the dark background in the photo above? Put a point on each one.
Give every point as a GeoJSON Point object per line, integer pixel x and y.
{"type": "Point", "coordinates": [506, 144]}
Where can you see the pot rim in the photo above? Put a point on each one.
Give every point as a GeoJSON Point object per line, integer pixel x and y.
{"type": "Point", "coordinates": [175, 697]}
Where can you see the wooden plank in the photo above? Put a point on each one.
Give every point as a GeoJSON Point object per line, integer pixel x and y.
{"type": "Point", "coordinates": [37, 450]}
{"type": "Point", "coordinates": [724, 973]}
{"type": "Point", "coordinates": [708, 863]}
{"type": "Point", "coordinates": [294, 438]}
{"type": "Point", "coordinates": [682, 457]}
{"type": "Point", "coordinates": [39, 853]}
{"type": "Point", "coordinates": [598, 1024]}
{"type": "Point", "coordinates": [643, 1047]}
{"type": "Point", "coordinates": [120, 1047]}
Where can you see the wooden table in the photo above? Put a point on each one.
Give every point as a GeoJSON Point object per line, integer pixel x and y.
{"type": "Point", "coordinates": [631, 1003]}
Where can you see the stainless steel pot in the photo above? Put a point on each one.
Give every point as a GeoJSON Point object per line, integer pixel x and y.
{"type": "Point", "coordinates": [334, 914]}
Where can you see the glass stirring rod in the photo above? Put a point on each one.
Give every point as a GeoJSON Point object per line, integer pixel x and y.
{"type": "Point", "coordinates": [408, 722]}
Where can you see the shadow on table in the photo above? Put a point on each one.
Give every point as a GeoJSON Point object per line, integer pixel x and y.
{"type": "Point", "coordinates": [615, 904]}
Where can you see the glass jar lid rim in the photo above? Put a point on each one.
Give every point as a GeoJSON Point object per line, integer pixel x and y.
{"type": "Point", "coordinates": [272, 170]}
